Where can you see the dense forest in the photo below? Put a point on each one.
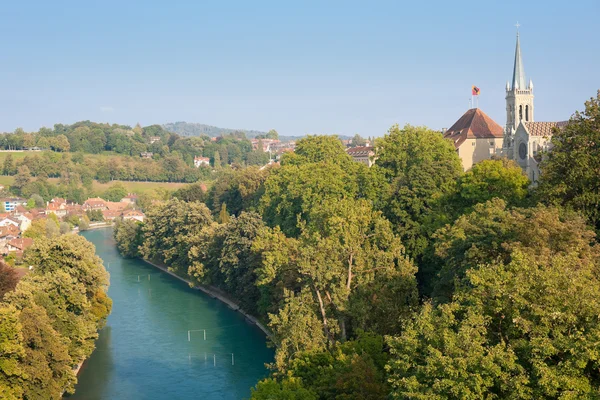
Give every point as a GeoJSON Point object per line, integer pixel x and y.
{"type": "Point", "coordinates": [194, 129]}
{"type": "Point", "coordinates": [410, 279]}
{"type": "Point", "coordinates": [71, 149]}
{"type": "Point", "coordinates": [50, 318]}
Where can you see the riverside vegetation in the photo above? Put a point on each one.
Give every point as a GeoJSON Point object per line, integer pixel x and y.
{"type": "Point", "coordinates": [49, 320]}
{"type": "Point", "coordinates": [410, 279]}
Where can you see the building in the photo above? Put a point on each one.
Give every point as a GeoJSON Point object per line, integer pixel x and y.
{"type": "Point", "coordinates": [95, 203]}
{"type": "Point", "coordinates": [154, 139]}
{"type": "Point", "coordinates": [134, 215]}
{"type": "Point", "coordinates": [146, 154]}
{"type": "Point", "coordinates": [18, 245]}
{"type": "Point", "coordinates": [362, 154]}
{"type": "Point", "coordinates": [476, 137]}
{"type": "Point", "coordinates": [11, 203]}
{"type": "Point", "coordinates": [131, 198]}
{"type": "Point", "coordinates": [201, 161]}
{"type": "Point", "coordinates": [524, 138]}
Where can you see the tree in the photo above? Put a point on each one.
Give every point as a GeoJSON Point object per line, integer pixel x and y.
{"type": "Point", "coordinates": [515, 330]}
{"type": "Point", "coordinates": [493, 231]}
{"type": "Point", "coordinates": [128, 235]}
{"type": "Point", "coordinates": [22, 178]}
{"type": "Point", "coordinates": [223, 214]}
{"type": "Point", "coordinates": [314, 149]}
{"type": "Point", "coordinates": [8, 278]}
{"type": "Point", "coordinates": [570, 171]}
{"type": "Point", "coordinates": [272, 134]}
{"type": "Point", "coordinates": [38, 201]}
{"type": "Point", "coordinates": [61, 144]}
{"type": "Point", "coordinates": [8, 168]}
{"type": "Point", "coordinates": [171, 229]}
{"type": "Point", "coordinates": [358, 141]}
{"type": "Point", "coordinates": [11, 352]}
{"type": "Point", "coordinates": [421, 169]}
{"type": "Point", "coordinates": [115, 192]}
{"type": "Point", "coordinates": [217, 160]}
{"type": "Point", "coordinates": [289, 389]}
{"type": "Point", "coordinates": [487, 179]}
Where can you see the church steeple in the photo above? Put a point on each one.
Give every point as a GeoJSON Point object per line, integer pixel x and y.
{"type": "Point", "coordinates": [519, 98]}
{"type": "Point", "coordinates": [518, 81]}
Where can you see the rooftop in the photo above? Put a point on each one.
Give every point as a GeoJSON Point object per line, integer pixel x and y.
{"type": "Point", "coordinates": [474, 124]}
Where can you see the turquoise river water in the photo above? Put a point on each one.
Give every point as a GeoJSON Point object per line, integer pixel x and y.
{"type": "Point", "coordinates": [144, 352]}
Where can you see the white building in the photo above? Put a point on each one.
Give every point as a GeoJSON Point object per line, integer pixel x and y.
{"type": "Point", "coordinates": [199, 161]}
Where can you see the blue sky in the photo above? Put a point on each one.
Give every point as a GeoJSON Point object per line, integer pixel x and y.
{"type": "Point", "coordinates": [299, 67]}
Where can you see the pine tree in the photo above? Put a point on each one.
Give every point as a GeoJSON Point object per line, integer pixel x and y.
{"type": "Point", "coordinates": [223, 214]}
{"type": "Point", "coordinates": [217, 160]}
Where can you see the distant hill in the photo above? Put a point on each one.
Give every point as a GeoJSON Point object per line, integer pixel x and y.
{"type": "Point", "coordinates": [193, 129]}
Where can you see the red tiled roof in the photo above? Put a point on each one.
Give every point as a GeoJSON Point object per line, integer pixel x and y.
{"type": "Point", "coordinates": [360, 151]}
{"type": "Point", "coordinates": [474, 124]}
{"type": "Point", "coordinates": [21, 243]}
{"type": "Point", "coordinates": [543, 128]}
{"type": "Point", "coordinates": [115, 205]}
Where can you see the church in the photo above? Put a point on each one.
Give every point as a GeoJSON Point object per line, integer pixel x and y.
{"type": "Point", "coordinates": [523, 139]}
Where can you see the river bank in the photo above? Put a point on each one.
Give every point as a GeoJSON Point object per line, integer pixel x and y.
{"type": "Point", "coordinates": [216, 294]}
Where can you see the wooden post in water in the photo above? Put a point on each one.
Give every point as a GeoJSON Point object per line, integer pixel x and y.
{"type": "Point", "coordinates": [214, 360]}
{"type": "Point", "coordinates": [205, 334]}
{"type": "Point", "coordinates": [138, 278]}
{"type": "Point", "coordinates": [232, 359]}
{"type": "Point", "coordinates": [189, 339]}
{"type": "Point", "coordinates": [148, 276]}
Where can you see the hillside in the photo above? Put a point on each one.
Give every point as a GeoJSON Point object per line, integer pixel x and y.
{"type": "Point", "coordinates": [194, 129]}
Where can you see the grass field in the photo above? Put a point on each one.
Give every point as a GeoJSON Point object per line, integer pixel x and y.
{"type": "Point", "coordinates": [16, 155]}
{"type": "Point", "coordinates": [132, 187]}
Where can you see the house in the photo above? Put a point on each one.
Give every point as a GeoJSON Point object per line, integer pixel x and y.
{"type": "Point", "coordinates": [146, 154]}
{"type": "Point", "coordinates": [25, 221]}
{"type": "Point", "coordinates": [476, 137]}
{"type": "Point", "coordinates": [134, 215]}
{"type": "Point", "coordinates": [7, 233]}
{"type": "Point", "coordinates": [11, 203]}
{"type": "Point", "coordinates": [154, 139]}
{"type": "Point", "coordinates": [57, 206]}
{"type": "Point", "coordinates": [200, 161]}
{"type": "Point", "coordinates": [362, 154]}
{"type": "Point", "coordinates": [18, 245]}
{"type": "Point", "coordinates": [109, 215]}
{"type": "Point", "coordinates": [95, 203]}
{"type": "Point", "coordinates": [131, 198]}
{"type": "Point", "coordinates": [10, 220]}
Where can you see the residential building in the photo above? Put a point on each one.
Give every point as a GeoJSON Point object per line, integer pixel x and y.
{"type": "Point", "coordinates": [146, 154]}
{"type": "Point", "coordinates": [135, 215]}
{"type": "Point", "coordinates": [11, 203]}
{"type": "Point", "coordinates": [95, 203]}
{"type": "Point", "coordinates": [131, 198]}
{"type": "Point", "coordinates": [362, 154]}
{"type": "Point", "coordinates": [18, 245]}
{"type": "Point", "coordinates": [201, 161]}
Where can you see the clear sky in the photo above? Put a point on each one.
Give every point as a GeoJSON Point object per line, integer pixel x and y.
{"type": "Point", "coordinates": [299, 67]}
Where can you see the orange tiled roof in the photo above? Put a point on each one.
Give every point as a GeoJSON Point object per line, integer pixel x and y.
{"type": "Point", "coordinates": [543, 128]}
{"type": "Point", "coordinates": [21, 243]}
{"type": "Point", "coordinates": [360, 151]}
{"type": "Point", "coordinates": [115, 205]}
{"type": "Point", "coordinates": [474, 124]}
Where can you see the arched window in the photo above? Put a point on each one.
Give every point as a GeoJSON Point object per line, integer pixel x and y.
{"type": "Point", "coordinates": [527, 113]}
{"type": "Point", "coordinates": [520, 113]}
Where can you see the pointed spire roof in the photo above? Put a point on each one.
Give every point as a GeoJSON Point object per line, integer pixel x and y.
{"type": "Point", "coordinates": [518, 81]}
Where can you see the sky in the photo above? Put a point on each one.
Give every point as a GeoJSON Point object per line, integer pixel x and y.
{"type": "Point", "coordinates": [300, 67]}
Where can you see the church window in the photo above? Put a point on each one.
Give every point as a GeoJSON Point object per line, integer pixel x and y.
{"type": "Point", "coordinates": [520, 113]}
{"type": "Point", "coordinates": [527, 113]}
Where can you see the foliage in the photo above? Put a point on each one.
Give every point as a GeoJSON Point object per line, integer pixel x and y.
{"type": "Point", "coordinates": [170, 230]}
{"type": "Point", "coordinates": [421, 168]}
{"type": "Point", "coordinates": [115, 193]}
{"type": "Point", "coordinates": [515, 330]}
{"type": "Point", "coordinates": [8, 278]}
{"type": "Point", "coordinates": [128, 235]}
{"type": "Point", "coordinates": [570, 171]}
{"type": "Point", "coordinates": [49, 322]}
{"type": "Point", "coordinates": [490, 179]}
{"type": "Point", "coordinates": [289, 389]}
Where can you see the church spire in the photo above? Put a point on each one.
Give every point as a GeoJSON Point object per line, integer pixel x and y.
{"type": "Point", "coordinates": [518, 81]}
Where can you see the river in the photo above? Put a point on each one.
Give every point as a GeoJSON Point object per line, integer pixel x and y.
{"type": "Point", "coordinates": [144, 352]}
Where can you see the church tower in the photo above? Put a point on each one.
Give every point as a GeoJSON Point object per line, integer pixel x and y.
{"type": "Point", "coordinates": [519, 100]}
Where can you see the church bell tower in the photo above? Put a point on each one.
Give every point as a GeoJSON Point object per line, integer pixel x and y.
{"type": "Point", "coordinates": [519, 100]}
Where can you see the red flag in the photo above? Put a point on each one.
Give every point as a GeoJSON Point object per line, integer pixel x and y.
{"type": "Point", "coordinates": [475, 91]}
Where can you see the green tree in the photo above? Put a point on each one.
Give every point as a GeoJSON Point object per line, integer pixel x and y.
{"type": "Point", "coordinates": [217, 160]}
{"type": "Point", "coordinates": [289, 389]}
{"type": "Point", "coordinates": [128, 235]}
{"type": "Point", "coordinates": [223, 214]}
{"type": "Point", "coordinates": [487, 179]}
{"type": "Point", "coordinates": [8, 167]}
{"type": "Point", "coordinates": [421, 168]}
{"type": "Point", "coordinates": [11, 351]}
{"type": "Point", "coordinates": [22, 178]}
{"type": "Point", "coordinates": [569, 172]}
{"type": "Point", "coordinates": [358, 140]}
{"type": "Point", "coordinates": [515, 330]}
{"type": "Point", "coordinates": [170, 231]}
{"type": "Point", "coordinates": [115, 192]}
